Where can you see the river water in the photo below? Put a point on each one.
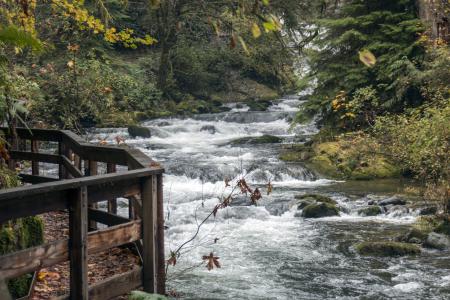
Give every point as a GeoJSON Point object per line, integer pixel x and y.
{"type": "Point", "coordinates": [266, 251]}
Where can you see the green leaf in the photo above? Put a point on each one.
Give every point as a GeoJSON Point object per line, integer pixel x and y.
{"type": "Point", "coordinates": [16, 37]}
{"type": "Point", "coordinates": [265, 2]}
{"type": "Point", "coordinates": [367, 58]}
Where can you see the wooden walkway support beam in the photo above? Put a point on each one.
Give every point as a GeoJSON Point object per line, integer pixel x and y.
{"type": "Point", "coordinates": [78, 232]}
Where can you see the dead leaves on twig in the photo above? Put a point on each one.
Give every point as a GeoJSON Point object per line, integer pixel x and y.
{"type": "Point", "coordinates": [242, 184]}
{"type": "Point", "coordinates": [255, 196]}
{"type": "Point", "coordinates": [269, 188]}
{"type": "Point", "coordinates": [173, 258]}
{"type": "Point", "coordinates": [212, 261]}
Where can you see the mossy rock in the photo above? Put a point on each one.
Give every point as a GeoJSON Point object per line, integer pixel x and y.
{"type": "Point", "coordinates": [296, 153]}
{"type": "Point", "coordinates": [138, 295]}
{"type": "Point", "coordinates": [19, 287]}
{"type": "Point", "coordinates": [320, 210]}
{"type": "Point", "coordinates": [17, 235]}
{"type": "Point", "coordinates": [443, 228]}
{"type": "Point", "coordinates": [414, 236]}
{"type": "Point", "coordinates": [438, 224]}
{"type": "Point", "coordinates": [316, 198]}
{"type": "Point", "coordinates": [342, 159]}
{"type": "Point", "coordinates": [139, 131]}
{"type": "Point", "coordinates": [258, 105]}
{"type": "Point", "coordinates": [387, 249]}
{"type": "Point", "coordinates": [265, 139]}
{"type": "Point", "coordinates": [370, 211]}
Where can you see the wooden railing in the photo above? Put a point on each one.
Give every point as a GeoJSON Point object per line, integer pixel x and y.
{"type": "Point", "coordinates": [78, 189]}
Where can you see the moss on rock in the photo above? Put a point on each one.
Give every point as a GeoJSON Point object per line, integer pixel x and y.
{"type": "Point", "coordinates": [353, 157]}
{"type": "Point", "coordinates": [320, 210]}
{"type": "Point", "coordinates": [370, 211]}
{"type": "Point", "coordinates": [387, 249]}
{"type": "Point", "coordinates": [265, 139]}
{"type": "Point", "coordinates": [316, 198]}
{"type": "Point", "coordinates": [258, 105]}
{"type": "Point", "coordinates": [17, 235]}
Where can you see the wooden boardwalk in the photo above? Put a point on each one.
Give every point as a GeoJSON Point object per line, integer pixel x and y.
{"type": "Point", "coordinates": [78, 189]}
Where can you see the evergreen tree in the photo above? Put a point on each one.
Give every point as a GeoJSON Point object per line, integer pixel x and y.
{"type": "Point", "coordinates": [388, 29]}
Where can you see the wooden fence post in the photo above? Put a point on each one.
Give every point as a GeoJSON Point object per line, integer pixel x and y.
{"type": "Point", "coordinates": [161, 261]}
{"type": "Point", "coordinates": [149, 198]}
{"type": "Point", "coordinates": [93, 170]}
{"type": "Point", "coordinates": [62, 151]}
{"type": "Point", "coordinates": [112, 203]}
{"type": "Point", "coordinates": [78, 231]}
{"type": "Point", "coordinates": [34, 164]}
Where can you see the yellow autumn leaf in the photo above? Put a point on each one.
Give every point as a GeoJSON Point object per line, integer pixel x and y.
{"type": "Point", "coordinates": [244, 45]}
{"type": "Point", "coordinates": [70, 64]}
{"type": "Point", "coordinates": [367, 58]}
{"type": "Point", "coordinates": [154, 4]}
{"type": "Point", "coordinates": [256, 31]}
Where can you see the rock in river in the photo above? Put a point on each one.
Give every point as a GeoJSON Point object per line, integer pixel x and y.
{"type": "Point", "coordinates": [320, 210]}
{"type": "Point", "coordinates": [387, 249]}
{"type": "Point", "coordinates": [139, 131]}
{"type": "Point", "coordinates": [392, 201]}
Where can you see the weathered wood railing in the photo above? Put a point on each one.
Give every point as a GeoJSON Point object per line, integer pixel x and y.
{"type": "Point", "coordinates": [78, 189]}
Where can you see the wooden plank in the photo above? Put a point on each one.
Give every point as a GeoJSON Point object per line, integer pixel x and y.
{"type": "Point", "coordinates": [78, 232]}
{"type": "Point", "coordinates": [21, 262]}
{"type": "Point", "coordinates": [149, 197]}
{"type": "Point", "coordinates": [37, 134]}
{"type": "Point", "coordinates": [160, 255]}
{"type": "Point", "coordinates": [118, 235]}
{"type": "Point", "coordinates": [106, 218]}
{"type": "Point", "coordinates": [112, 203]}
{"type": "Point", "coordinates": [107, 191]}
{"type": "Point", "coordinates": [34, 164]}
{"type": "Point", "coordinates": [18, 207]}
{"type": "Point", "coordinates": [34, 179]}
{"type": "Point", "coordinates": [114, 286]}
{"type": "Point", "coordinates": [36, 157]}
{"type": "Point", "coordinates": [25, 191]}
{"type": "Point", "coordinates": [71, 168]}
{"type": "Point", "coordinates": [117, 285]}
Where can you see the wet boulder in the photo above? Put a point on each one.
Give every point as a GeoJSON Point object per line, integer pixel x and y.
{"type": "Point", "coordinates": [163, 124]}
{"type": "Point", "coordinates": [139, 131]}
{"type": "Point", "coordinates": [414, 236]}
{"type": "Point", "coordinates": [370, 211]}
{"type": "Point", "coordinates": [210, 128]}
{"type": "Point", "coordinates": [320, 210]}
{"type": "Point", "coordinates": [316, 198]}
{"type": "Point", "coordinates": [265, 139]}
{"type": "Point", "coordinates": [395, 200]}
{"type": "Point", "coordinates": [437, 241]}
{"type": "Point", "coordinates": [259, 105]}
{"type": "Point", "coordinates": [387, 249]}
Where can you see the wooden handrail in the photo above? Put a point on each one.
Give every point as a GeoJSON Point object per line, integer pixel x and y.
{"type": "Point", "coordinates": [78, 190]}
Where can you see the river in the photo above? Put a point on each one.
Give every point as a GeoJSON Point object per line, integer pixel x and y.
{"type": "Point", "coordinates": [266, 251]}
